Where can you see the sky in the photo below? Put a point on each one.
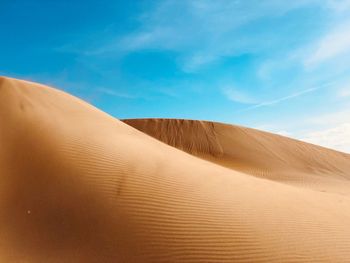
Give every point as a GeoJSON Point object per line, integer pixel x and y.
{"type": "Point", "coordinates": [275, 65]}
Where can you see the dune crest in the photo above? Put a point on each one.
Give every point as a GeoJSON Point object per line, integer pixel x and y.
{"type": "Point", "coordinates": [78, 185]}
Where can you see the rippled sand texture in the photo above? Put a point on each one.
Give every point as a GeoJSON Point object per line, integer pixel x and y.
{"type": "Point", "coordinates": [78, 185]}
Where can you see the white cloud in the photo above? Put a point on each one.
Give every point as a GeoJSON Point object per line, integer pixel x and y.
{"type": "Point", "coordinates": [344, 93]}
{"type": "Point", "coordinates": [283, 133]}
{"type": "Point", "coordinates": [337, 137]}
{"type": "Point", "coordinates": [115, 93]}
{"type": "Point", "coordinates": [334, 44]}
{"type": "Point", "coordinates": [330, 130]}
{"type": "Point", "coordinates": [203, 31]}
{"type": "Point", "coordinates": [279, 100]}
{"type": "Point", "coordinates": [330, 119]}
{"type": "Point", "coordinates": [237, 96]}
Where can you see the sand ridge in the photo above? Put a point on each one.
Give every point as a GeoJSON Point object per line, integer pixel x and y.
{"type": "Point", "coordinates": [78, 185]}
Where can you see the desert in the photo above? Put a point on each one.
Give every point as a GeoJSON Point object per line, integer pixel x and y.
{"type": "Point", "coordinates": [78, 185]}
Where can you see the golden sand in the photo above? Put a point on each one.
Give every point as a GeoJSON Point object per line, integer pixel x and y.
{"type": "Point", "coordinates": [78, 185]}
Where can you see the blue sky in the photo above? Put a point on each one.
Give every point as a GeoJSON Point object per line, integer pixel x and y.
{"type": "Point", "coordinates": [280, 66]}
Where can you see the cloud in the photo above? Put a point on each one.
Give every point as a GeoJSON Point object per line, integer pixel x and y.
{"type": "Point", "coordinates": [331, 130]}
{"type": "Point", "coordinates": [267, 68]}
{"type": "Point", "coordinates": [330, 119]}
{"type": "Point", "coordinates": [115, 93]}
{"type": "Point", "coordinates": [283, 133]}
{"type": "Point", "coordinates": [337, 137]}
{"type": "Point", "coordinates": [279, 100]}
{"type": "Point", "coordinates": [344, 93]}
{"type": "Point", "coordinates": [334, 44]}
{"type": "Point", "coordinates": [192, 63]}
{"type": "Point", "coordinates": [237, 96]}
{"type": "Point", "coordinates": [338, 5]}
{"type": "Point", "coordinates": [203, 31]}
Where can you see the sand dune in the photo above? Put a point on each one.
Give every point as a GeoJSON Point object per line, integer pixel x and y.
{"type": "Point", "coordinates": [78, 185]}
{"type": "Point", "coordinates": [254, 152]}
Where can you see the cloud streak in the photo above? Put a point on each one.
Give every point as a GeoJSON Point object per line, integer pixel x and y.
{"type": "Point", "coordinates": [235, 95]}
{"type": "Point", "coordinates": [332, 45]}
{"type": "Point", "coordinates": [204, 31]}
{"type": "Point", "coordinates": [285, 98]}
{"type": "Point", "coordinates": [114, 93]}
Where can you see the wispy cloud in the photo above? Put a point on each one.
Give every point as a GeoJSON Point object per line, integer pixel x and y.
{"type": "Point", "coordinates": [344, 92]}
{"type": "Point", "coordinates": [264, 47]}
{"type": "Point", "coordinates": [203, 31]}
{"type": "Point", "coordinates": [335, 43]}
{"type": "Point", "coordinates": [330, 130]}
{"type": "Point", "coordinates": [331, 119]}
{"type": "Point", "coordinates": [236, 95]}
{"type": "Point", "coordinates": [282, 99]}
{"type": "Point", "coordinates": [337, 137]}
{"type": "Point", "coordinates": [114, 93]}
{"type": "Point", "coordinates": [338, 5]}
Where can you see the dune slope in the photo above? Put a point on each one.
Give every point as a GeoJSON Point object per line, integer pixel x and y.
{"type": "Point", "coordinates": [254, 152]}
{"type": "Point", "coordinates": [78, 185]}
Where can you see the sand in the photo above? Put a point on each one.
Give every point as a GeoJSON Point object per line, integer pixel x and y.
{"type": "Point", "coordinates": [78, 185]}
